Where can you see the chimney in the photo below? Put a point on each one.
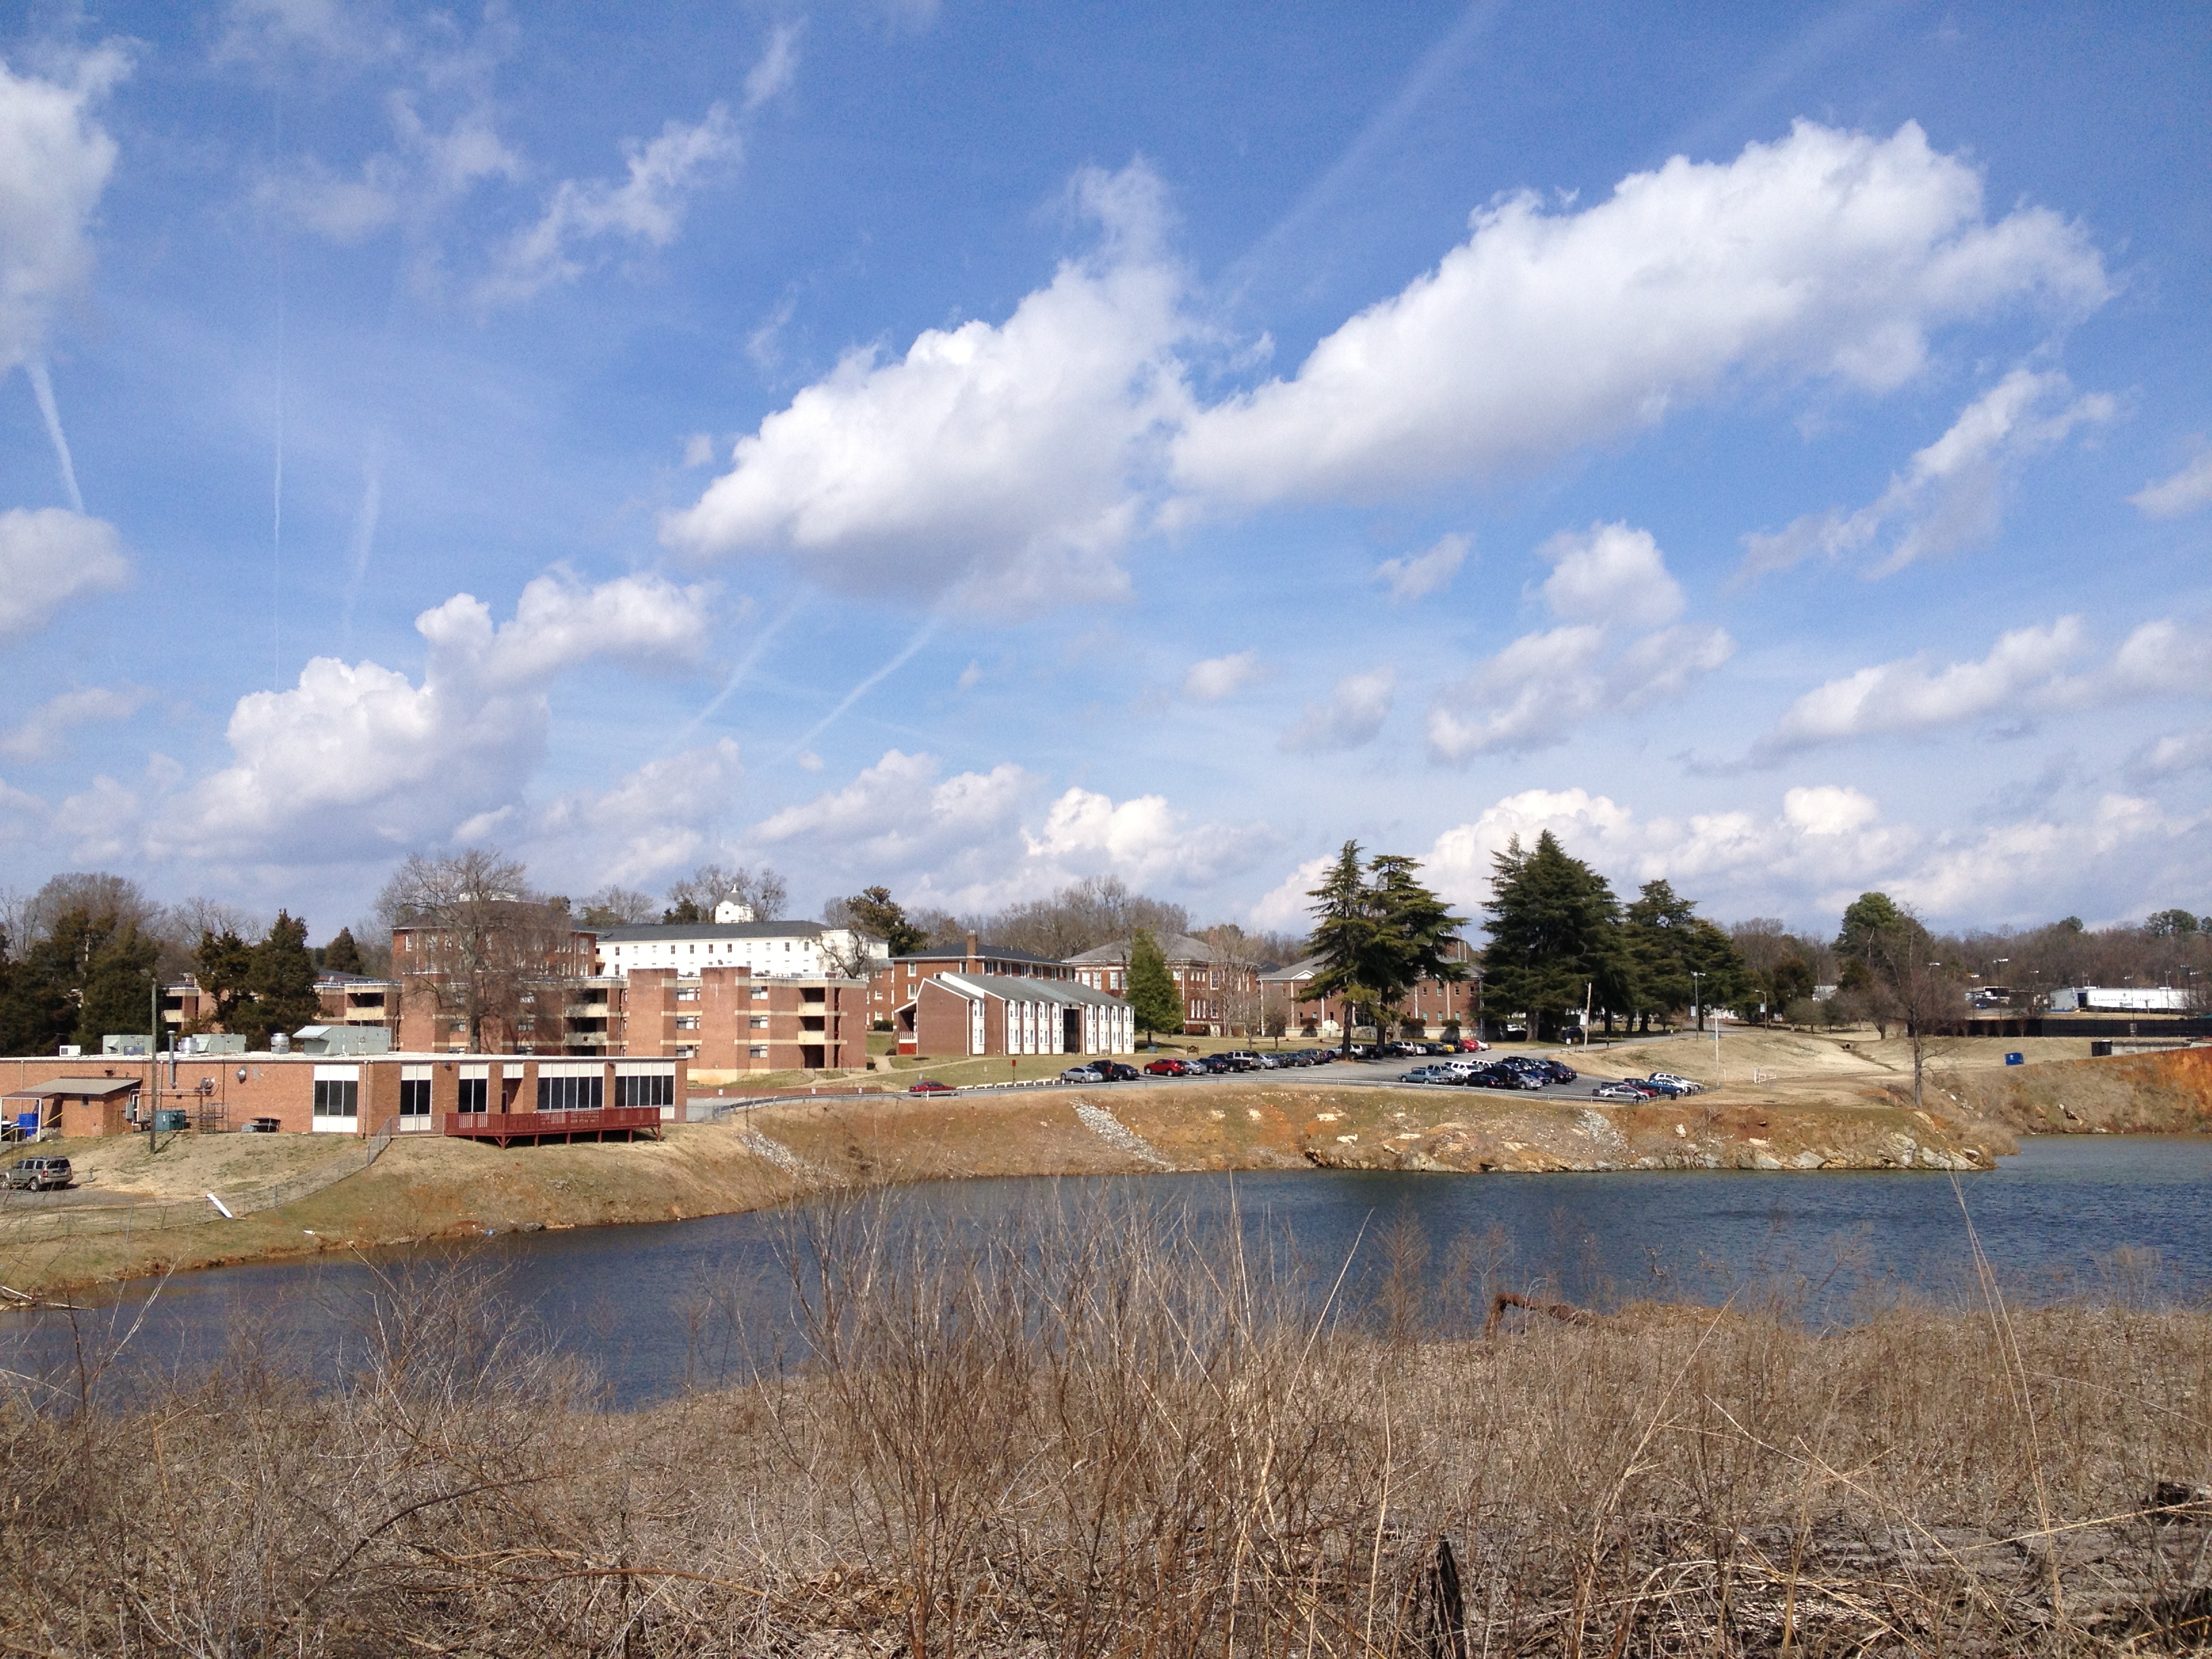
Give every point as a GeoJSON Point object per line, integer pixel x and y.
{"type": "Point", "coordinates": [974, 962]}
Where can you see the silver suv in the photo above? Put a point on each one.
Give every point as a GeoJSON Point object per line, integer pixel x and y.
{"type": "Point", "coordinates": [38, 1174]}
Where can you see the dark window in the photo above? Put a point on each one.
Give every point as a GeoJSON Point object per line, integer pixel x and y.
{"type": "Point", "coordinates": [645, 1090]}
{"type": "Point", "coordinates": [571, 1093]}
{"type": "Point", "coordinates": [415, 1098]}
{"type": "Point", "coordinates": [336, 1099]}
{"type": "Point", "coordinates": [472, 1093]}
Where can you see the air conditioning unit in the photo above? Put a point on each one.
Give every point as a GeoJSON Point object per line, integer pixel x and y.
{"type": "Point", "coordinates": [72, 1051]}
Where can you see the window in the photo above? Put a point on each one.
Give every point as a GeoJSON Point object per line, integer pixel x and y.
{"type": "Point", "coordinates": [571, 1093]}
{"type": "Point", "coordinates": [758, 1051]}
{"type": "Point", "coordinates": [334, 1099]}
{"type": "Point", "coordinates": [760, 993]}
{"type": "Point", "coordinates": [472, 1093]}
{"type": "Point", "coordinates": [645, 1090]}
{"type": "Point", "coordinates": [757, 1022]}
{"type": "Point", "coordinates": [415, 1098]}
{"type": "Point", "coordinates": [691, 995]}
{"type": "Point", "coordinates": [687, 1022]}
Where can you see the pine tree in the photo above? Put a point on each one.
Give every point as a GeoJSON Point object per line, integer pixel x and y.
{"type": "Point", "coordinates": [1153, 999]}
{"type": "Point", "coordinates": [117, 994]}
{"type": "Point", "coordinates": [342, 955]}
{"type": "Point", "coordinates": [874, 911]}
{"type": "Point", "coordinates": [1378, 932]}
{"type": "Point", "coordinates": [1554, 936]}
{"type": "Point", "coordinates": [283, 980]}
{"type": "Point", "coordinates": [1676, 959]}
{"type": "Point", "coordinates": [222, 967]}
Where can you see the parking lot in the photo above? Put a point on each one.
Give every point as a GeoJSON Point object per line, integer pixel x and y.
{"type": "Point", "coordinates": [1348, 1073]}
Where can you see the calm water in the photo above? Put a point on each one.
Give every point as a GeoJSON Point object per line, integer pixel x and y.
{"type": "Point", "coordinates": [653, 1306]}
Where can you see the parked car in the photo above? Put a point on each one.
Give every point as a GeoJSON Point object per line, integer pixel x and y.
{"type": "Point", "coordinates": [1683, 1084]}
{"type": "Point", "coordinates": [1668, 1086]}
{"type": "Point", "coordinates": [930, 1085]}
{"type": "Point", "coordinates": [1425, 1074]}
{"type": "Point", "coordinates": [1167, 1068]}
{"type": "Point", "coordinates": [1115, 1070]}
{"type": "Point", "coordinates": [1081, 1074]}
{"type": "Point", "coordinates": [40, 1174]}
{"type": "Point", "coordinates": [1625, 1089]}
{"type": "Point", "coordinates": [1559, 1070]}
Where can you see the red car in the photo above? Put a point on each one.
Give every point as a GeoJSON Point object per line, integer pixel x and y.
{"type": "Point", "coordinates": [1167, 1068]}
{"type": "Point", "coordinates": [930, 1085]}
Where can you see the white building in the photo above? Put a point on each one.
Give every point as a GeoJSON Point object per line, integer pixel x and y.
{"type": "Point", "coordinates": [795, 949]}
{"type": "Point", "coordinates": [2119, 999]}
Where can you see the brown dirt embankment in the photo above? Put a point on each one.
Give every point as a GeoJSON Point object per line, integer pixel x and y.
{"type": "Point", "coordinates": [2168, 1093]}
{"type": "Point", "coordinates": [426, 1187]}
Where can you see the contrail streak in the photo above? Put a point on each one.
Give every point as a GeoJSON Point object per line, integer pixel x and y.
{"type": "Point", "coordinates": [42, 387]}
{"type": "Point", "coordinates": [920, 639]}
{"type": "Point", "coordinates": [745, 667]}
{"type": "Point", "coordinates": [364, 525]}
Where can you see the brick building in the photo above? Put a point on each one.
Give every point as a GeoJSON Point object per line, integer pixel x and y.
{"type": "Point", "coordinates": [1220, 995]}
{"type": "Point", "coordinates": [307, 1094]}
{"type": "Point", "coordinates": [1432, 1004]}
{"type": "Point", "coordinates": [962, 1013]}
{"type": "Point", "coordinates": [350, 999]}
{"type": "Point", "coordinates": [897, 980]}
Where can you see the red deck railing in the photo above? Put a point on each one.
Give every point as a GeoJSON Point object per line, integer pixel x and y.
{"type": "Point", "coordinates": [508, 1127]}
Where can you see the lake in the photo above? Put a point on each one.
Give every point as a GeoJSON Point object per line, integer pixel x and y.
{"type": "Point", "coordinates": [655, 1306]}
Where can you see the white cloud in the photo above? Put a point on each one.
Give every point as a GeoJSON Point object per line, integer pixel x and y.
{"type": "Point", "coordinates": [1354, 714]}
{"type": "Point", "coordinates": [1952, 495]}
{"type": "Point", "coordinates": [2184, 492]}
{"type": "Point", "coordinates": [698, 450]}
{"type": "Point", "coordinates": [1289, 904]}
{"type": "Point", "coordinates": [357, 758]}
{"type": "Point", "coordinates": [995, 460]}
{"type": "Point", "coordinates": [972, 841]}
{"type": "Point", "coordinates": [2178, 751]}
{"type": "Point", "coordinates": [2026, 671]}
{"type": "Point", "coordinates": [1910, 695]}
{"type": "Point", "coordinates": [1216, 677]}
{"type": "Point", "coordinates": [49, 556]}
{"type": "Point", "coordinates": [1420, 574]}
{"type": "Point", "coordinates": [1825, 254]}
{"type": "Point", "coordinates": [41, 731]}
{"type": "Point", "coordinates": [645, 208]}
{"type": "Point", "coordinates": [1609, 574]}
{"type": "Point", "coordinates": [1610, 587]}
{"type": "Point", "coordinates": [778, 66]}
{"type": "Point", "coordinates": [659, 819]}
{"type": "Point", "coordinates": [1829, 843]}
{"type": "Point", "coordinates": [55, 162]}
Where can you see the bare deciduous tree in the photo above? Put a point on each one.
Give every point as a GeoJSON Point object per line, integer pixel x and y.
{"type": "Point", "coordinates": [762, 891]}
{"type": "Point", "coordinates": [484, 937]}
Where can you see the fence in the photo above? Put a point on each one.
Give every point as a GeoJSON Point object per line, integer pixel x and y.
{"type": "Point", "coordinates": [34, 1222]}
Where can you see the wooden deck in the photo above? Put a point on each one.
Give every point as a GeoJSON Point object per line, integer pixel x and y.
{"type": "Point", "coordinates": [597, 1122]}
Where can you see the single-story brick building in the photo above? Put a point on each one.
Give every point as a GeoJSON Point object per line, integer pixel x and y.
{"type": "Point", "coordinates": [310, 1094]}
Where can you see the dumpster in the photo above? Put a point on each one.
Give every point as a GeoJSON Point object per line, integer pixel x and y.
{"type": "Point", "coordinates": [170, 1120]}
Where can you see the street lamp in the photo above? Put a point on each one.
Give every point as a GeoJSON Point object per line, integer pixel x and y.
{"type": "Point", "coordinates": [1697, 1000]}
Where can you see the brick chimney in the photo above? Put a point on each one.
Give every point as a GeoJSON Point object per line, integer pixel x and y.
{"type": "Point", "coordinates": [974, 964]}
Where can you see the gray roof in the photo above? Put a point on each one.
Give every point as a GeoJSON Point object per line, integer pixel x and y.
{"type": "Point", "coordinates": [983, 953]}
{"type": "Point", "coordinates": [672, 931]}
{"type": "Point", "coordinates": [94, 1088]}
{"type": "Point", "coordinates": [1176, 947]}
{"type": "Point", "coordinates": [1009, 988]}
{"type": "Point", "coordinates": [1304, 968]}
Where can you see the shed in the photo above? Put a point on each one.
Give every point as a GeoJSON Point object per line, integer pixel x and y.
{"type": "Point", "coordinates": [74, 1105]}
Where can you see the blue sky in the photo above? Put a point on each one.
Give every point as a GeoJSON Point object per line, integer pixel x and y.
{"type": "Point", "coordinates": [970, 449]}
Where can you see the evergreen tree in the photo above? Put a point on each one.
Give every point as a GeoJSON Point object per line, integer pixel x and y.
{"type": "Point", "coordinates": [222, 967]}
{"type": "Point", "coordinates": [1153, 998]}
{"type": "Point", "coordinates": [342, 955]}
{"type": "Point", "coordinates": [283, 982]}
{"type": "Point", "coordinates": [39, 1009]}
{"type": "Point", "coordinates": [116, 995]}
{"type": "Point", "coordinates": [1668, 943]}
{"type": "Point", "coordinates": [1554, 936]}
{"type": "Point", "coordinates": [874, 911]}
{"type": "Point", "coordinates": [1378, 932]}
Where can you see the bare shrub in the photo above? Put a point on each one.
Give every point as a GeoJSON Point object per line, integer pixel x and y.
{"type": "Point", "coordinates": [1111, 1431]}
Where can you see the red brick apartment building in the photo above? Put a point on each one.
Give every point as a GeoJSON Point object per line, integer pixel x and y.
{"type": "Point", "coordinates": [307, 1094]}
{"type": "Point", "coordinates": [352, 999]}
{"type": "Point", "coordinates": [718, 1019]}
{"type": "Point", "coordinates": [896, 983]}
{"type": "Point", "coordinates": [1220, 997]}
{"type": "Point", "coordinates": [1434, 1004]}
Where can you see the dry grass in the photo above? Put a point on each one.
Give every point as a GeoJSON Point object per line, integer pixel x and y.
{"type": "Point", "coordinates": [1107, 1434]}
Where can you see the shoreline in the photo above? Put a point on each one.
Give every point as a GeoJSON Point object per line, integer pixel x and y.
{"type": "Point", "coordinates": [426, 1188]}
